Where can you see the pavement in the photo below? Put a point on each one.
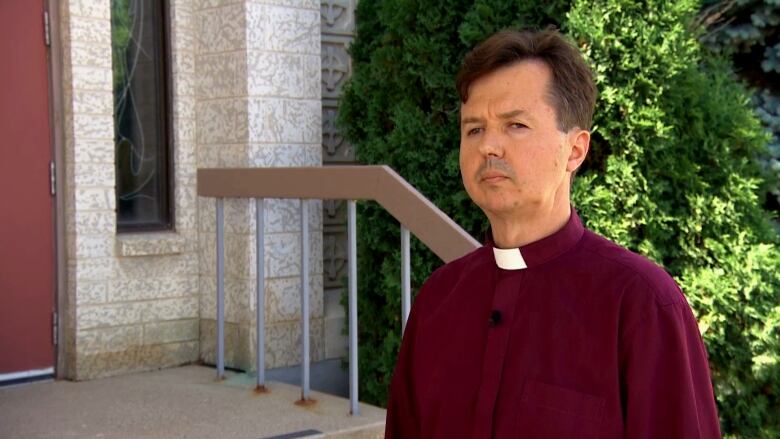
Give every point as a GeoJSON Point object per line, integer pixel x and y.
{"type": "Point", "coordinates": [183, 402]}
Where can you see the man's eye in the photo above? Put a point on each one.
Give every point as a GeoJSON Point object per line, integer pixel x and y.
{"type": "Point", "coordinates": [518, 125]}
{"type": "Point", "coordinates": [473, 131]}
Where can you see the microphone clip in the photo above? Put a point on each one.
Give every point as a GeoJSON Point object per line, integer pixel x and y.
{"type": "Point", "coordinates": [495, 318]}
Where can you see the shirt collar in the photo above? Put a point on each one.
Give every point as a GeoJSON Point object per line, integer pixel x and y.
{"type": "Point", "coordinates": [541, 251]}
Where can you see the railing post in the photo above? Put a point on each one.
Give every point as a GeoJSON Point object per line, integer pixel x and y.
{"type": "Point", "coordinates": [406, 288]}
{"type": "Point", "coordinates": [260, 291]}
{"type": "Point", "coordinates": [353, 322]}
{"type": "Point", "coordinates": [305, 298]}
{"type": "Point", "coordinates": [220, 289]}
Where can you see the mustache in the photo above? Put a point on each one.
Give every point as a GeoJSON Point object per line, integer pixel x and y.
{"type": "Point", "coordinates": [496, 164]}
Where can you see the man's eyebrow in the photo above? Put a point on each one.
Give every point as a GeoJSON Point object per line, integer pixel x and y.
{"type": "Point", "coordinates": [507, 115]}
{"type": "Point", "coordinates": [511, 114]}
{"type": "Point", "coordinates": [472, 119]}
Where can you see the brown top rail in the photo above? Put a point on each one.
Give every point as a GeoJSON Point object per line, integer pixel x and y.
{"type": "Point", "coordinates": [379, 183]}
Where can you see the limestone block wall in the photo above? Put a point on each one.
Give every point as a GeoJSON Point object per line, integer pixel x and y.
{"type": "Point", "coordinates": [246, 92]}
{"type": "Point", "coordinates": [338, 31]}
{"type": "Point", "coordinates": [132, 300]}
{"type": "Point", "coordinates": [258, 105]}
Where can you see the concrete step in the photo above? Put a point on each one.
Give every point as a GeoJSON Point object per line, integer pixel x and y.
{"type": "Point", "coordinates": [184, 402]}
{"type": "Point", "coordinates": [372, 431]}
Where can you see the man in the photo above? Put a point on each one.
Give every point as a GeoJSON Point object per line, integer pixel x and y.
{"type": "Point", "coordinates": [549, 330]}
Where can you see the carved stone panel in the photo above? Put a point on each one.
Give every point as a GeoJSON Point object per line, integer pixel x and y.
{"type": "Point", "coordinates": [336, 66]}
{"type": "Point", "coordinates": [337, 20]}
{"type": "Point", "coordinates": [335, 149]}
{"type": "Point", "coordinates": [334, 251]}
{"type": "Point", "coordinates": [335, 258]}
{"type": "Point", "coordinates": [338, 28]}
{"type": "Point", "coordinates": [338, 16]}
{"type": "Point", "coordinates": [334, 213]}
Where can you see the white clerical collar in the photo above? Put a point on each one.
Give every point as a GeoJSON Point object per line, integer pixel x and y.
{"type": "Point", "coordinates": [509, 259]}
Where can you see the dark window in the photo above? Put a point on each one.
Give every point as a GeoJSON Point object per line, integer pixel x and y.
{"type": "Point", "coordinates": [141, 115]}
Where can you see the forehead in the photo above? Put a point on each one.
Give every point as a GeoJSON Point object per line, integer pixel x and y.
{"type": "Point", "coordinates": [523, 85]}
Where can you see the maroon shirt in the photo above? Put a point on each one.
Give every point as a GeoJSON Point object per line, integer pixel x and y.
{"type": "Point", "coordinates": [589, 341]}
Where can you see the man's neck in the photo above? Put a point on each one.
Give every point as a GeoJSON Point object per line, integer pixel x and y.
{"type": "Point", "coordinates": [523, 228]}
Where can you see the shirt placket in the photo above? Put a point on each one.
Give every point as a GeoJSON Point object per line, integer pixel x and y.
{"type": "Point", "coordinates": [504, 300]}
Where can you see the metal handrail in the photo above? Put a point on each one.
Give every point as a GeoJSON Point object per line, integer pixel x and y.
{"type": "Point", "coordinates": [378, 183]}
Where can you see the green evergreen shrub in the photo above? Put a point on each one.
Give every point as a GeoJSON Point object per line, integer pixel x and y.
{"type": "Point", "coordinates": [748, 32]}
{"type": "Point", "coordinates": [671, 172]}
{"type": "Point", "coordinates": [675, 178]}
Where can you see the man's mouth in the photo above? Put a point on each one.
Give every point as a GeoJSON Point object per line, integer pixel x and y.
{"type": "Point", "coordinates": [493, 177]}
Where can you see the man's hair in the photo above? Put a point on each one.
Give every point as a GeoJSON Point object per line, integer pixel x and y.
{"type": "Point", "coordinates": [572, 91]}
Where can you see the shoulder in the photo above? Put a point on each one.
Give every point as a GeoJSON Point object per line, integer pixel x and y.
{"type": "Point", "coordinates": [640, 278]}
{"type": "Point", "coordinates": [648, 299]}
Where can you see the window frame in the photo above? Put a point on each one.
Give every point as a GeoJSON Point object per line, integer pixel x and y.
{"type": "Point", "coordinates": [165, 160]}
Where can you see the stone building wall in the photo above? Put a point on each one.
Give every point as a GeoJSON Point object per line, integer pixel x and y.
{"type": "Point", "coordinates": [338, 30]}
{"type": "Point", "coordinates": [245, 92]}
{"type": "Point", "coordinates": [258, 105]}
{"type": "Point", "coordinates": [131, 299]}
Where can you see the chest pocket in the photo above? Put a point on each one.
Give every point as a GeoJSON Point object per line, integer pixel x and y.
{"type": "Point", "coordinates": [547, 411]}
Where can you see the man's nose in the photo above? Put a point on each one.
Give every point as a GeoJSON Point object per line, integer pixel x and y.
{"type": "Point", "coordinates": [491, 145]}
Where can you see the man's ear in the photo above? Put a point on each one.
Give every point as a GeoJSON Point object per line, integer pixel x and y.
{"type": "Point", "coordinates": [579, 142]}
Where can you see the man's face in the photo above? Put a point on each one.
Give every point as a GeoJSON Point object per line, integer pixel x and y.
{"type": "Point", "coordinates": [513, 158]}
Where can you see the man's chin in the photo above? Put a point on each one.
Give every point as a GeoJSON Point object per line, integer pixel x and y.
{"type": "Point", "coordinates": [511, 208]}
{"type": "Point", "coordinates": [499, 209]}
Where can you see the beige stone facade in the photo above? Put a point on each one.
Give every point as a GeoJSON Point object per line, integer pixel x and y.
{"type": "Point", "coordinates": [338, 31]}
{"type": "Point", "coordinates": [246, 92]}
